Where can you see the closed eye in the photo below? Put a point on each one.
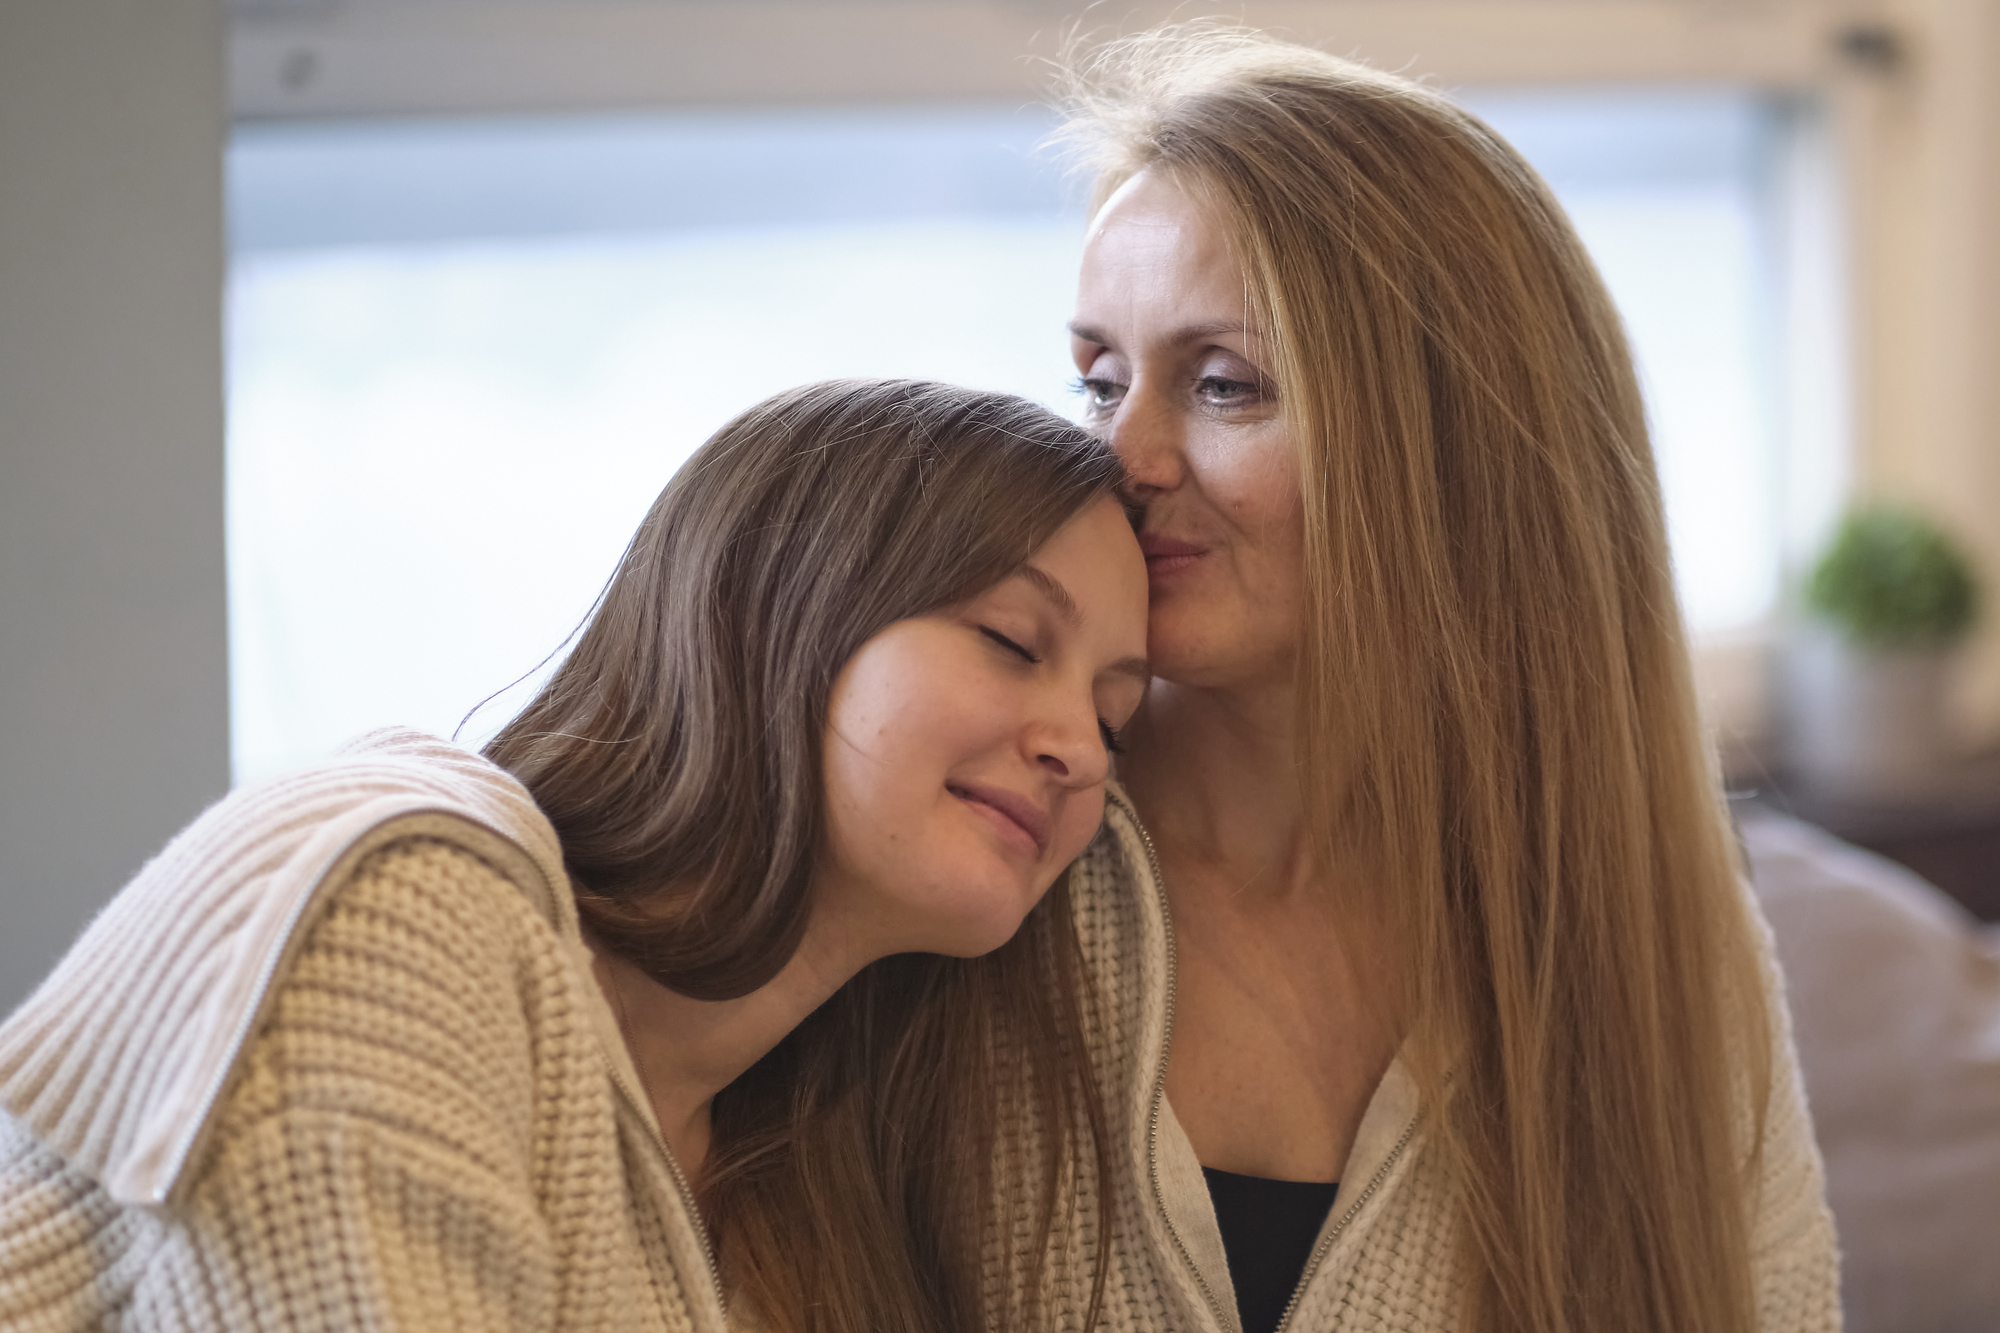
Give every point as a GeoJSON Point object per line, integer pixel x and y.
{"type": "Point", "coordinates": [1010, 645]}
{"type": "Point", "coordinates": [1110, 735]}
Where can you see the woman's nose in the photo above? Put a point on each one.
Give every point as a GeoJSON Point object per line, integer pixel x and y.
{"type": "Point", "coordinates": [1148, 436]}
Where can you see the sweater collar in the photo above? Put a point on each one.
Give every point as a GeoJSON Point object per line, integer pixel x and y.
{"type": "Point", "coordinates": [1164, 1156]}
{"type": "Point", "coordinates": [121, 1059]}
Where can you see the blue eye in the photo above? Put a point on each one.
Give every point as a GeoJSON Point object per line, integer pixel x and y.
{"type": "Point", "coordinates": [1010, 646]}
{"type": "Point", "coordinates": [1098, 393]}
{"type": "Point", "coordinates": [1221, 391]}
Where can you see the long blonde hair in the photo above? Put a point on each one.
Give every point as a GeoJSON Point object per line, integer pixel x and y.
{"type": "Point", "coordinates": [1493, 663]}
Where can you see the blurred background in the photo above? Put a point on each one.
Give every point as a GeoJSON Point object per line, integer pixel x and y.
{"type": "Point", "coordinates": [343, 342]}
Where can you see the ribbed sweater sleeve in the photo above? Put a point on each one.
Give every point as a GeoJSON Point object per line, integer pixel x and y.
{"type": "Point", "coordinates": [375, 1165]}
{"type": "Point", "coordinates": [420, 1137]}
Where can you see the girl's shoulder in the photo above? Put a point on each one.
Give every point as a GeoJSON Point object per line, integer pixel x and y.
{"type": "Point", "coordinates": [122, 1059]}
{"type": "Point", "coordinates": [1114, 887]}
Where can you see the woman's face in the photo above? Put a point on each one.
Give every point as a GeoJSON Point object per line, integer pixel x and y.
{"type": "Point", "coordinates": [1179, 382]}
{"type": "Point", "coordinates": [966, 751]}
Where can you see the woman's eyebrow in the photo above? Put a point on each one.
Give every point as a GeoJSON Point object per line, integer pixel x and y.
{"type": "Point", "coordinates": [1191, 333]}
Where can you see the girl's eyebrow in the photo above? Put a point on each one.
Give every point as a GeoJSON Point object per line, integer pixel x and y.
{"type": "Point", "coordinates": [1051, 587]}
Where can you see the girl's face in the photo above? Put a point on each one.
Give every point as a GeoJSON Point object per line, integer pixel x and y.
{"type": "Point", "coordinates": [966, 751]}
{"type": "Point", "coordinates": [1178, 380]}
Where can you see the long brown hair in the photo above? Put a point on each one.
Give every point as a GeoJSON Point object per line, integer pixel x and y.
{"type": "Point", "coordinates": [1493, 662]}
{"type": "Point", "coordinates": [677, 751]}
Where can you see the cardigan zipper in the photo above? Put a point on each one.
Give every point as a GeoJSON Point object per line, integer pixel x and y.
{"type": "Point", "coordinates": [707, 1241]}
{"type": "Point", "coordinates": [1160, 1081]}
{"type": "Point", "coordinates": [1159, 1101]}
{"type": "Point", "coordinates": [1333, 1232]}
{"type": "Point", "coordinates": [659, 1142]}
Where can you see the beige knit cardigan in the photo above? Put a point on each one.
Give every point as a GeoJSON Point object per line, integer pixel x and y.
{"type": "Point", "coordinates": [1385, 1258]}
{"type": "Point", "coordinates": [336, 1060]}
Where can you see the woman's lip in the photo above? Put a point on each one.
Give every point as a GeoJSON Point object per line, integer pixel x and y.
{"type": "Point", "coordinates": [1018, 811]}
{"type": "Point", "coordinates": [1155, 546]}
{"type": "Point", "coordinates": [1165, 555]}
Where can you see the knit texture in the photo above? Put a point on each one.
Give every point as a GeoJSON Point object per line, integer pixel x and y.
{"type": "Point", "coordinates": [1390, 1257]}
{"type": "Point", "coordinates": [429, 1122]}
{"type": "Point", "coordinates": [425, 1131]}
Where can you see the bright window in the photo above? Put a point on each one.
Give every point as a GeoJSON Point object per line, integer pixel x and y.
{"type": "Point", "coordinates": [1673, 194]}
{"type": "Point", "coordinates": [465, 357]}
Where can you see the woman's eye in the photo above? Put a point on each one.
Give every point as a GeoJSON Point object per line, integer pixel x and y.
{"type": "Point", "coordinates": [1011, 646]}
{"type": "Point", "coordinates": [1099, 394]}
{"type": "Point", "coordinates": [1221, 391]}
{"type": "Point", "coordinates": [1110, 735]}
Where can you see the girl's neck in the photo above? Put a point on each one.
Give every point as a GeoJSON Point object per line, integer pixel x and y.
{"type": "Point", "coordinates": [686, 1050]}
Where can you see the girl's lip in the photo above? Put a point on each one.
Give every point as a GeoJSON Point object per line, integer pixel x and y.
{"type": "Point", "coordinates": [1018, 811]}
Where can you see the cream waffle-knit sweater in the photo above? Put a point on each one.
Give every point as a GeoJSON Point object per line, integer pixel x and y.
{"type": "Point", "coordinates": [336, 1060]}
{"type": "Point", "coordinates": [1385, 1257]}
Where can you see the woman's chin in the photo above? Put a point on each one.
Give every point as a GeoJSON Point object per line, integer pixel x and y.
{"type": "Point", "coordinates": [1194, 655]}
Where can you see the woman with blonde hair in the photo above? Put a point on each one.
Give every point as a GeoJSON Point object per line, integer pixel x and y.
{"type": "Point", "coordinates": [1430, 994]}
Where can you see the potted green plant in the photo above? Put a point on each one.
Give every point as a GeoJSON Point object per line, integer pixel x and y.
{"type": "Point", "coordinates": [1889, 599]}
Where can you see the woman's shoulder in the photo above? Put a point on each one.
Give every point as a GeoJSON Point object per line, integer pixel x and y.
{"type": "Point", "coordinates": [1795, 1260]}
{"type": "Point", "coordinates": [120, 1060]}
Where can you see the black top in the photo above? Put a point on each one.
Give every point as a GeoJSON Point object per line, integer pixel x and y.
{"type": "Point", "coordinates": [1268, 1231]}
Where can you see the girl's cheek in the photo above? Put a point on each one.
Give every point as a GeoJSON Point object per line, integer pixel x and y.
{"type": "Point", "coordinates": [1083, 812]}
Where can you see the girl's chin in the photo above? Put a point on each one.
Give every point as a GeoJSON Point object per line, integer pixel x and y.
{"type": "Point", "coordinates": [986, 923]}
{"type": "Point", "coordinates": [975, 940]}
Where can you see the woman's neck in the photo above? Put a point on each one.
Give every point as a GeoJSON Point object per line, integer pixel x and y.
{"type": "Point", "coordinates": [1215, 775]}
{"type": "Point", "coordinates": [686, 1050]}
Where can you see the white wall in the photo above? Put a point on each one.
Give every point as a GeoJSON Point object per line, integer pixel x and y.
{"type": "Point", "coordinates": [1924, 139]}
{"type": "Point", "coordinates": [295, 58]}
{"type": "Point", "coordinates": [113, 681]}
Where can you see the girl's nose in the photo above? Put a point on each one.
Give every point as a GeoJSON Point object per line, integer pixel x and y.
{"type": "Point", "coordinates": [1069, 746]}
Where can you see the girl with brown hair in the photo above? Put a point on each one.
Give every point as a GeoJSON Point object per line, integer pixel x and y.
{"type": "Point", "coordinates": [1431, 997]}
{"type": "Point", "coordinates": [721, 929]}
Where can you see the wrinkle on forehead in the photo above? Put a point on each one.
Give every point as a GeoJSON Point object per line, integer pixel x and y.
{"type": "Point", "coordinates": [1156, 253]}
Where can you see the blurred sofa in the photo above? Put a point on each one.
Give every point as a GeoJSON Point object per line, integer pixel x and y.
{"type": "Point", "coordinates": [1895, 1000]}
